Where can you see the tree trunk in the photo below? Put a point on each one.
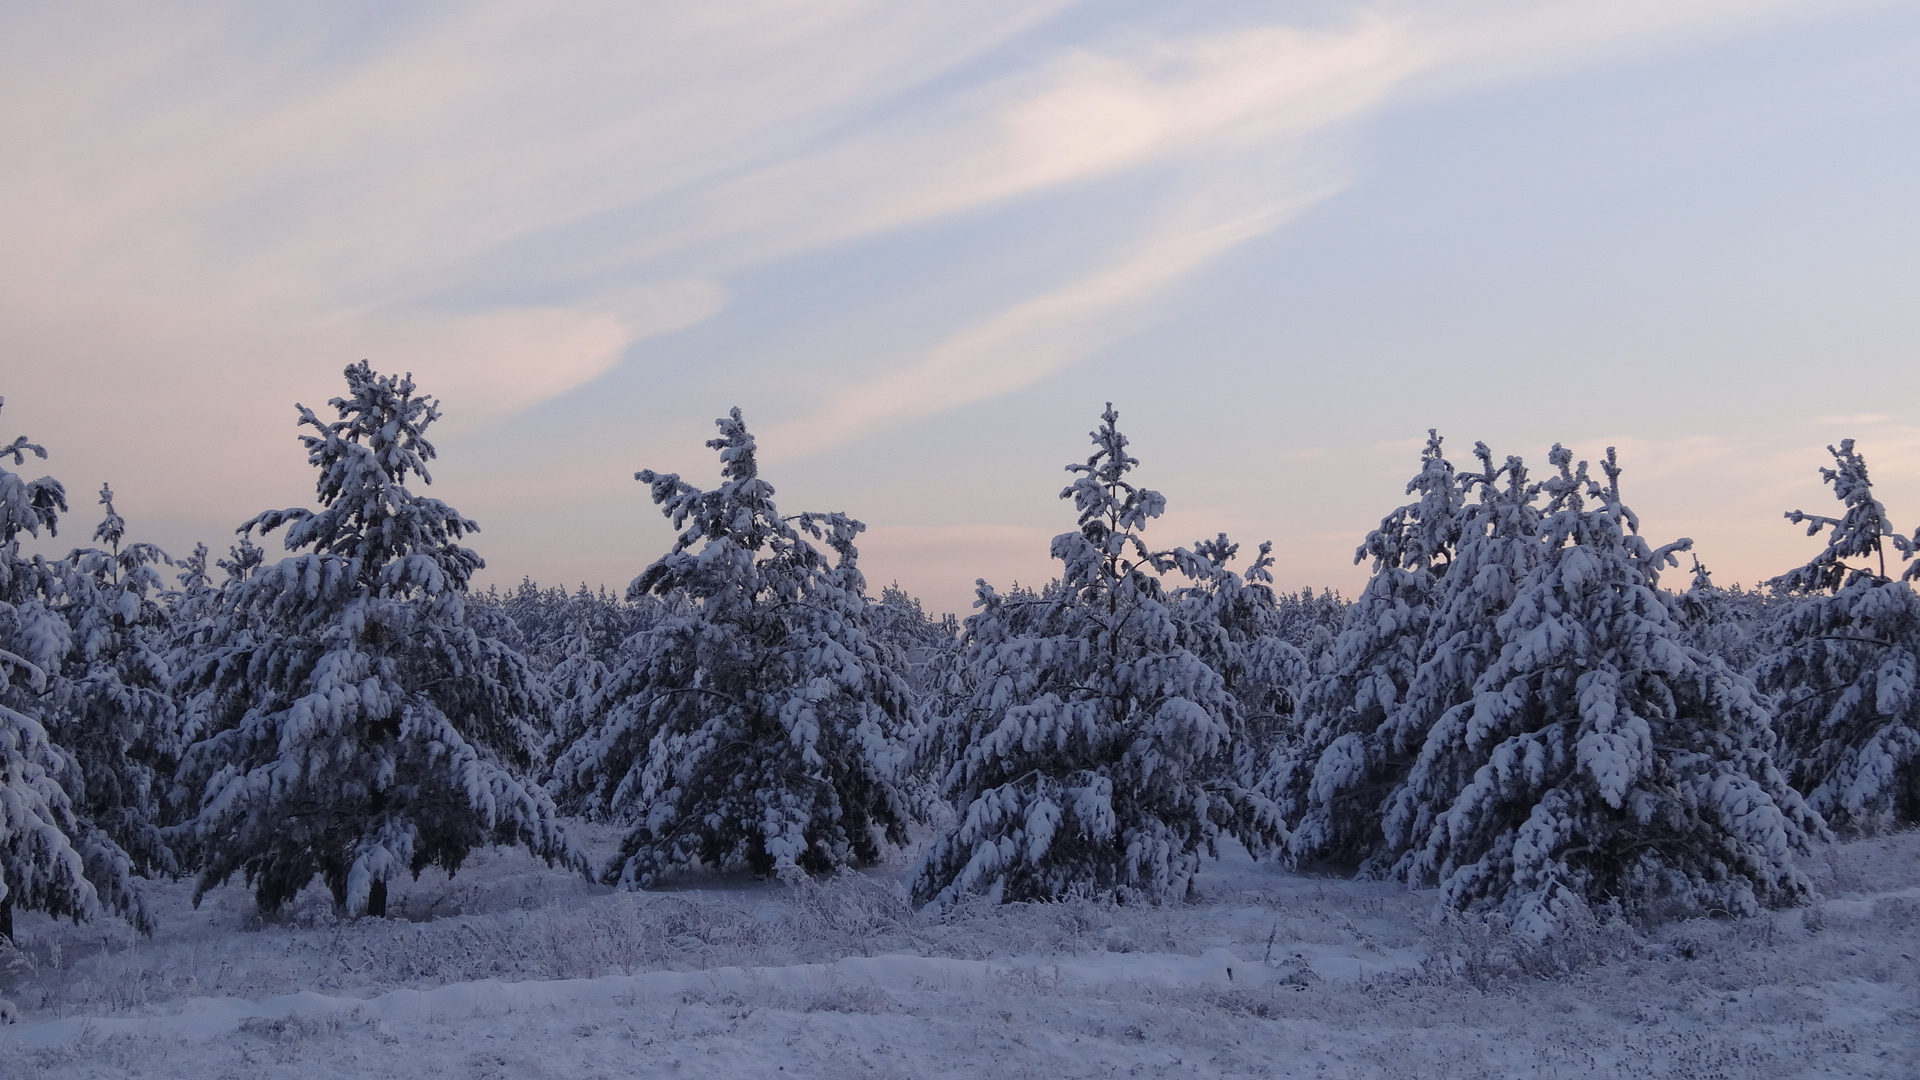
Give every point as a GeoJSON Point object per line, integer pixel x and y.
{"type": "Point", "coordinates": [6, 920]}
{"type": "Point", "coordinates": [377, 900]}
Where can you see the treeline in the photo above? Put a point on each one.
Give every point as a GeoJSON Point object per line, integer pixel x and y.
{"type": "Point", "coordinates": [1514, 709]}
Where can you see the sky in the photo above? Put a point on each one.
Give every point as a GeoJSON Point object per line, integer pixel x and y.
{"type": "Point", "coordinates": [921, 245]}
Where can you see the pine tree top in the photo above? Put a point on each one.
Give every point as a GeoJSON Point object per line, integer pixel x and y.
{"type": "Point", "coordinates": [1861, 531]}
{"type": "Point", "coordinates": [1421, 535]}
{"type": "Point", "coordinates": [748, 551]}
{"type": "Point", "coordinates": [1113, 513]}
{"type": "Point", "coordinates": [399, 540]}
{"type": "Point", "coordinates": [27, 505]}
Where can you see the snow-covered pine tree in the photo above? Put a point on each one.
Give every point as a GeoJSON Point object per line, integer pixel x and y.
{"type": "Point", "coordinates": [1500, 544]}
{"type": "Point", "coordinates": [1310, 622]}
{"type": "Point", "coordinates": [1331, 783]}
{"type": "Point", "coordinates": [930, 653]}
{"type": "Point", "coordinates": [572, 640]}
{"type": "Point", "coordinates": [1607, 760]}
{"type": "Point", "coordinates": [349, 725]}
{"type": "Point", "coordinates": [1232, 621]}
{"type": "Point", "coordinates": [196, 581]}
{"type": "Point", "coordinates": [50, 858]}
{"type": "Point", "coordinates": [1731, 623]}
{"type": "Point", "coordinates": [588, 651]}
{"type": "Point", "coordinates": [940, 738]}
{"type": "Point", "coordinates": [243, 558]}
{"type": "Point", "coordinates": [1097, 752]}
{"type": "Point", "coordinates": [112, 708]}
{"type": "Point", "coordinates": [925, 644]}
{"type": "Point", "coordinates": [191, 607]}
{"type": "Point", "coordinates": [1845, 672]}
{"type": "Point", "coordinates": [1862, 531]}
{"type": "Point", "coordinates": [757, 723]}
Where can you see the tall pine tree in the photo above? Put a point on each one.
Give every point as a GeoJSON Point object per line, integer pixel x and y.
{"type": "Point", "coordinates": [1500, 545]}
{"type": "Point", "coordinates": [112, 708]}
{"type": "Point", "coordinates": [1601, 757]}
{"type": "Point", "coordinates": [757, 723]}
{"type": "Point", "coordinates": [349, 724]}
{"type": "Point", "coordinates": [1331, 783]}
{"type": "Point", "coordinates": [1848, 662]}
{"type": "Point", "coordinates": [1097, 752]}
{"type": "Point", "coordinates": [51, 858]}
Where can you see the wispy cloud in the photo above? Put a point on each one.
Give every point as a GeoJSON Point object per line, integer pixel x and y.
{"type": "Point", "coordinates": [232, 202]}
{"type": "Point", "coordinates": [1026, 342]}
{"type": "Point", "coordinates": [1226, 107]}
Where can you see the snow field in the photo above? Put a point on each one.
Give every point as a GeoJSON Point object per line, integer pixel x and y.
{"type": "Point", "coordinates": [519, 971]}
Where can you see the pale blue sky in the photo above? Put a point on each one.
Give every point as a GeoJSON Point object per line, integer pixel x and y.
{"type": "Point", "coordinates": [922, 244]}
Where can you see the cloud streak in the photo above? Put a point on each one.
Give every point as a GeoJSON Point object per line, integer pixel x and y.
{"type": "Point", "coordinates": [229, 203]}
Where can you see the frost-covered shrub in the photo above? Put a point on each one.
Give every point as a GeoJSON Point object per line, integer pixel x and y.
{"type": "Point", "coordinates": [757, 722]}
{"type": "Point", "coordinates": [1601, 757]}
{"type": "Point", "coordinates": [1096, 753]}
{"type": "Point", "coordinates": [347, 723]}
{"type": "Point", "coordinates": [1844, 676]}
{"type": "Point", "coordinates": [1486, 951]}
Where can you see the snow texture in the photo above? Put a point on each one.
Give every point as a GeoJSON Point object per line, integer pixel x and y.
{"type": "Point", "coordinates": [530, 974]}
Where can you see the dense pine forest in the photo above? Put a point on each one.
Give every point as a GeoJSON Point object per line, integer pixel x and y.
{"type": "Point", "coordinates": [1530, 706]}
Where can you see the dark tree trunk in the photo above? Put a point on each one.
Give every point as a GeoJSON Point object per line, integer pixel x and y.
{"type": "Point", "coordinates": [6, 920]}
{"type": "Point", "coordinates": [377, 900]}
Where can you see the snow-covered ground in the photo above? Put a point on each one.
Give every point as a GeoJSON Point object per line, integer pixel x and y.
{"type": "Point", "coordinates": [513, 970]}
